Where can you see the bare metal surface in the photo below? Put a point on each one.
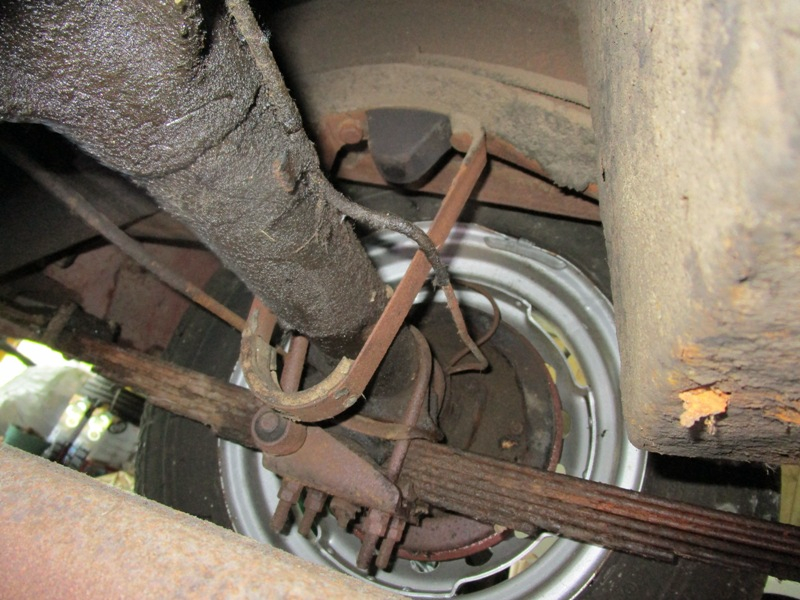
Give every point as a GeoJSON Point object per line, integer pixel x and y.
{"type": "Point", "coordinates": [105, 227]}
{"type": "Point", "coordinates": [136, 548]}
{"type": "Point", "coordinates": [528, 500]}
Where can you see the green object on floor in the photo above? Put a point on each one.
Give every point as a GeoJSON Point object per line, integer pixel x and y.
{"type": "Point", "coordinates": [29, 442]}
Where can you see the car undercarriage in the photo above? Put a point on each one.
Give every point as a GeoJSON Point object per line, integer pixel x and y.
{"type": "Point", "coordinates": [361, 257]}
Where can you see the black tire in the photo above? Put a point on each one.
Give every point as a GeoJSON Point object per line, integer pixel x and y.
{"type": "Point", "coordinates": [176, 463]}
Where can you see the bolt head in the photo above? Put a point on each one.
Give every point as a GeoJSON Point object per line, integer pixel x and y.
{"type": "Point", "coordinates": [269, 422]}
{"type": "Point", "coordinates": [350, 132]}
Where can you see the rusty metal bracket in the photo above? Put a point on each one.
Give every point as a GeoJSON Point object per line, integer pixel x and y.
{"type": "Point", "coordinates": [349, 379]}
{"type": "Point", "coordinates": [259, 364]}
{"type": "Point", "coordinates": [380, 524]}
{"type": "Point", "coordinates": [324, 463]}
{"type": "Point", "coordinates": [295, 452]}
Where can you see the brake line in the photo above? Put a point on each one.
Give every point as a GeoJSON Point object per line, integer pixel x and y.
{"type": "Point", "coordinates": [441, 277]}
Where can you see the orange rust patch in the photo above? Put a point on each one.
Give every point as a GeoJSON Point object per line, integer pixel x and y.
{"type": "Point", "coordinates": [702, 402]}
{"type": "Point", "coordinates": [690, 353]}
{"type": "Point", "coordinates": [786, 415]}
{"type": "Point", "coordinates": [789, 412]}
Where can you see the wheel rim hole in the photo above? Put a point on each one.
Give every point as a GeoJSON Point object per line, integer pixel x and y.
{"type": "Point", "coordinates": [421, 566]}
{"type": "Point", "coordinates": [479, 558]}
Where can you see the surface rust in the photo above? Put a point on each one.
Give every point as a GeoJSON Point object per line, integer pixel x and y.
{"type": "Point", "coordinates": [698, 172]}
{"type": "Point", "coordinates": [528, 500]}
{"type": "Point", "coordinates": [52, 513]}
{"type": "Point", "coordinates": [324, 463]}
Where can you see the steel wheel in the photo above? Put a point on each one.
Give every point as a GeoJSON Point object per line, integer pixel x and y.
{"type": "Point", "coordinates": [570, 323]}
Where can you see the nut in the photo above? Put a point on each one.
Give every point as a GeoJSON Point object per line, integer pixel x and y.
{"type": "Point", "coordinates": [350, 132]}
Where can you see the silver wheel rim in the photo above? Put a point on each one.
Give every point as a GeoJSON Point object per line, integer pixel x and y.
{"type": "Point", "coordinates": [555, 306]}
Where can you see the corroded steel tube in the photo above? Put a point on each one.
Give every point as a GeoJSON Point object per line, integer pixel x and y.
{"type": "Point", "coordinates": [55, 519]}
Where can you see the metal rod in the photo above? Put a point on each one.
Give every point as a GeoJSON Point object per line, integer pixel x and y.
{"type": "Point", "coordinates": [105, 227]}
{"type": "Point", "coordinates": [294, 363]}
{"type": "Point", "coordinates": [396, 310]}
{"type": "Point", "coordinates": [413, 409]}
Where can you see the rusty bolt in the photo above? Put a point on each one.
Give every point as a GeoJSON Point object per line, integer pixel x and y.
{"type": "Point", "coordinates": [314, 503]}
{"type": "Point", "coordinates": [376, 522]}
{"type": "Point", "coordinates": [269, 422]}
{"type": "Point", "coordinates": [350, 131]}
{"type": "Point", "coordinates": [344, 511]}
{"type": "Point", "coordinates": [288, 495]}
{"type": "Point", "coordinates": [275, 435]}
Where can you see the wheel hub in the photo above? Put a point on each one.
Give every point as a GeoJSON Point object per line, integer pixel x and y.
{"type": "Point", "coordinates": [510, 412]}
